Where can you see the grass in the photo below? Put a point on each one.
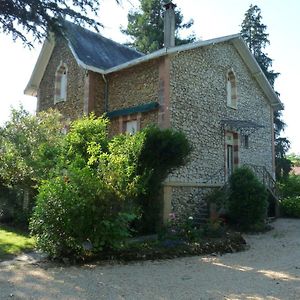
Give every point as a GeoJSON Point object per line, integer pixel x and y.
{"type": "Point", "coordinates": [13, 242]}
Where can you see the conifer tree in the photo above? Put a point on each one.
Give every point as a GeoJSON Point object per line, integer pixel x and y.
{"type": "Point", "coordinates": [255, 36]}
{"type": "Point", "coordinates": [146, 26]}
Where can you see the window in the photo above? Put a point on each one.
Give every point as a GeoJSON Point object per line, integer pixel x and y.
{"type": "Point", "coordinates": [131, 127]}
{"type": "Point", "coordinates": [231, 90]}
{"type": "Point", "coordinates": [61, 78]}
{"type": "Point", "coordinates": [246, 141]}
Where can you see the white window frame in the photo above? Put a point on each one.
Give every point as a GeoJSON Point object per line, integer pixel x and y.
{"type": "Point", "coordinates": [131, 127]}
{"type": "Point", "coordinates": [231, 88]}
{"type": "Point", "coordinates": [61, 83]}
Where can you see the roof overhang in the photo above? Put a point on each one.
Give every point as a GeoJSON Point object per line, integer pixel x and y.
{"type": "Point", "coordinates": [245, 127]}
{"type": "Point", "coordinates": [236, 40]}
{"type": "Point", "coordinates": [40, 67]}
{"type": "Point", "coordinates": [257, 73]}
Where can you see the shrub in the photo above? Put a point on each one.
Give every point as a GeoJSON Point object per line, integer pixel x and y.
{"type": "Point", "coordinates": [90, 203]}
{"type": "Point", "coordinates": [163, 151]}
{"type": "Point", "coordinates": [180, 229]}
{"type": "Point", "coordinates": [290, 187]}
{"type": "Point", "coordinates": [73, 215]}
{"type": "Point", "coordinates": [290, 207]}
{"type": "Point", "coordinates": [247, 200]}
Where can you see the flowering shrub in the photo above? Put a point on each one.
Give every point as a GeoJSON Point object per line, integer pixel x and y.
{"type": "Point", "coordinates": [181, 229]}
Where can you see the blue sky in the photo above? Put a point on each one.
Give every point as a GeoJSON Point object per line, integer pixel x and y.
{"type": "Point", "coordinates": [213, 18]}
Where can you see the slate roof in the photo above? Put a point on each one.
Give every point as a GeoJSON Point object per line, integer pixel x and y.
{"type": "Point", "coordinates": [97, 51]}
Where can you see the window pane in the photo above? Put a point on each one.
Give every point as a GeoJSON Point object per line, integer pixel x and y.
{"type": "Point", "coordinates": [63, 86]}
{"type": "Point", "coordinates": [131, 127]}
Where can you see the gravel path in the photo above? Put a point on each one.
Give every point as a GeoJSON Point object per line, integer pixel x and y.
{"type": "Point", "coordinates": [270, 269]}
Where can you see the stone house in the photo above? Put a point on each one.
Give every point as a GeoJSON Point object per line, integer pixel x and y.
{"type": "Point", "coordinates": [214, 91]}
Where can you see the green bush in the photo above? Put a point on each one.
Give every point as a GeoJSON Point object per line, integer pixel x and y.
{"type": "Point", "coordinates": [90, 203]}
{"type": "Point", "coordinates": [290, 207]}
{"type": "Point", "coordinates": [98, 186]}
{"type": "Point", "coordinates": [290, 187]}
{"type": "Point", "coordinates": [72, 216]}
{"type": "Point", "coordinates": [247, 200]}
{"type": "Point", "coordinates": [163, 151]}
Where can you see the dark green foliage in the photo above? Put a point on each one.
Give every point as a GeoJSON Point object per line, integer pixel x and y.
{"type": "Point", "coordinates": [247, 200]}
{"type": "Point", "coordinates": [254, 34]}
{"type": "Point", "coordinates": [218, 197]}
{"type": "Point", "coordinates": [163, 150]}
{"type": "Point", "coordinates": [23, 17]}
{"type": "Point", "coordinates": [290, 207]}
{"type": "Point", "coordinates": [290, 187]}
{"type": "Point", "coordinates": [282, 163]}
{"type": "Point", "coordinates": [146, 26]}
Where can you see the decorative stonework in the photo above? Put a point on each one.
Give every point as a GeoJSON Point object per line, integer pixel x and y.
{"type": "Point", "coordinates": [199, 103]}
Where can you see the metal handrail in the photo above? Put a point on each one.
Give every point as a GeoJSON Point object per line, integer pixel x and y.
{"type": "Point", "coordinates": [265, 177]}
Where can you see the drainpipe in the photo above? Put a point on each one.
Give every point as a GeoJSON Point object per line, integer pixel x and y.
{"type": "Point", "coordinates": [105, 93]}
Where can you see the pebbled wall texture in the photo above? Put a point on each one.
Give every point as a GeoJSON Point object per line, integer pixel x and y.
{"type": "Point", "coordinates": [73, 107]}
{"type": "Point", "coordinates": [197, 106]}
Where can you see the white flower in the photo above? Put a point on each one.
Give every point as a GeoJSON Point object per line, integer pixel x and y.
{"type": "Point", "coordinates": [191, 218]}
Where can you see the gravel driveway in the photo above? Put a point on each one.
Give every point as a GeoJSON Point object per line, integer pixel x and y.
{"type": "Point", "coordinates": [270, 269]}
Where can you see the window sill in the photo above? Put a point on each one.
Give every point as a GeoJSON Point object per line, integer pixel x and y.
{"type": "Point", "coordinates": [58, 100]}
{"type": "Point", "coordinates": [232, 107]}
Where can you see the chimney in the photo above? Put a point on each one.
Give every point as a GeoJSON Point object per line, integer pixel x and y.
{"type": "Point", "coordinates": [169, 25]}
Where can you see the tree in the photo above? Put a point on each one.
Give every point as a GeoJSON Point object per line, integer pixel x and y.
{"type": "Point", "coordinates": [38, 17]}
{"type": "Point", "coordinates": [256, 38]}
{"type": "Point", "coordinates": [29, 146]}
{"type": "Point", "coordinates": [146, 26]}
{"type": "Point", "coordinates": [254, 34]}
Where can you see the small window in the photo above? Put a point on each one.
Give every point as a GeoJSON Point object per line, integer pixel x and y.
{"type": "Point", "coordinates": [131, 127]}
{"type": "Point", "coordinates": [231, 90]}
{"type": "Point", "coordinates": [61, 80]}
{"type": "Point", "coordinates": [246, 141]}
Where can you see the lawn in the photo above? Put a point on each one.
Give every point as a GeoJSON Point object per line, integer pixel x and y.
{"type": "Point", "coordinates": [13, 242]}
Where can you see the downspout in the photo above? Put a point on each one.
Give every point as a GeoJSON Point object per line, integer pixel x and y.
{"type": "Point", "coordinates": [105, 93]}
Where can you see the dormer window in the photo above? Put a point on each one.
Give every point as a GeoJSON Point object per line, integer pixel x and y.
{"type": "Point", "coordinates": [61, 77]}
{"type": "Point", "coordinates": [231, 90]}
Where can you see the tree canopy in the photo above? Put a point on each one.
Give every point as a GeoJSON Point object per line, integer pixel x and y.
{"type": "Point", "coordinates": [254, 33]}
{"type": "Point", "coordinates": [146, 26]}
{"type": "Point", "coordinates": [20, 18]}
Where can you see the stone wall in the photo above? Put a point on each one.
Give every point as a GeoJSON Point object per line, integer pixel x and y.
{"type": "Point", "coordinates": [198, 103]}
{"type": "Point", "coordinates": [131, 87]}
{"type": "Point", "coordinates": [73, 107]}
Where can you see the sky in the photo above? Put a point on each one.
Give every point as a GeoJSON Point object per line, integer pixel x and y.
{"type": "Point", "coordinates": [212, 18]}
